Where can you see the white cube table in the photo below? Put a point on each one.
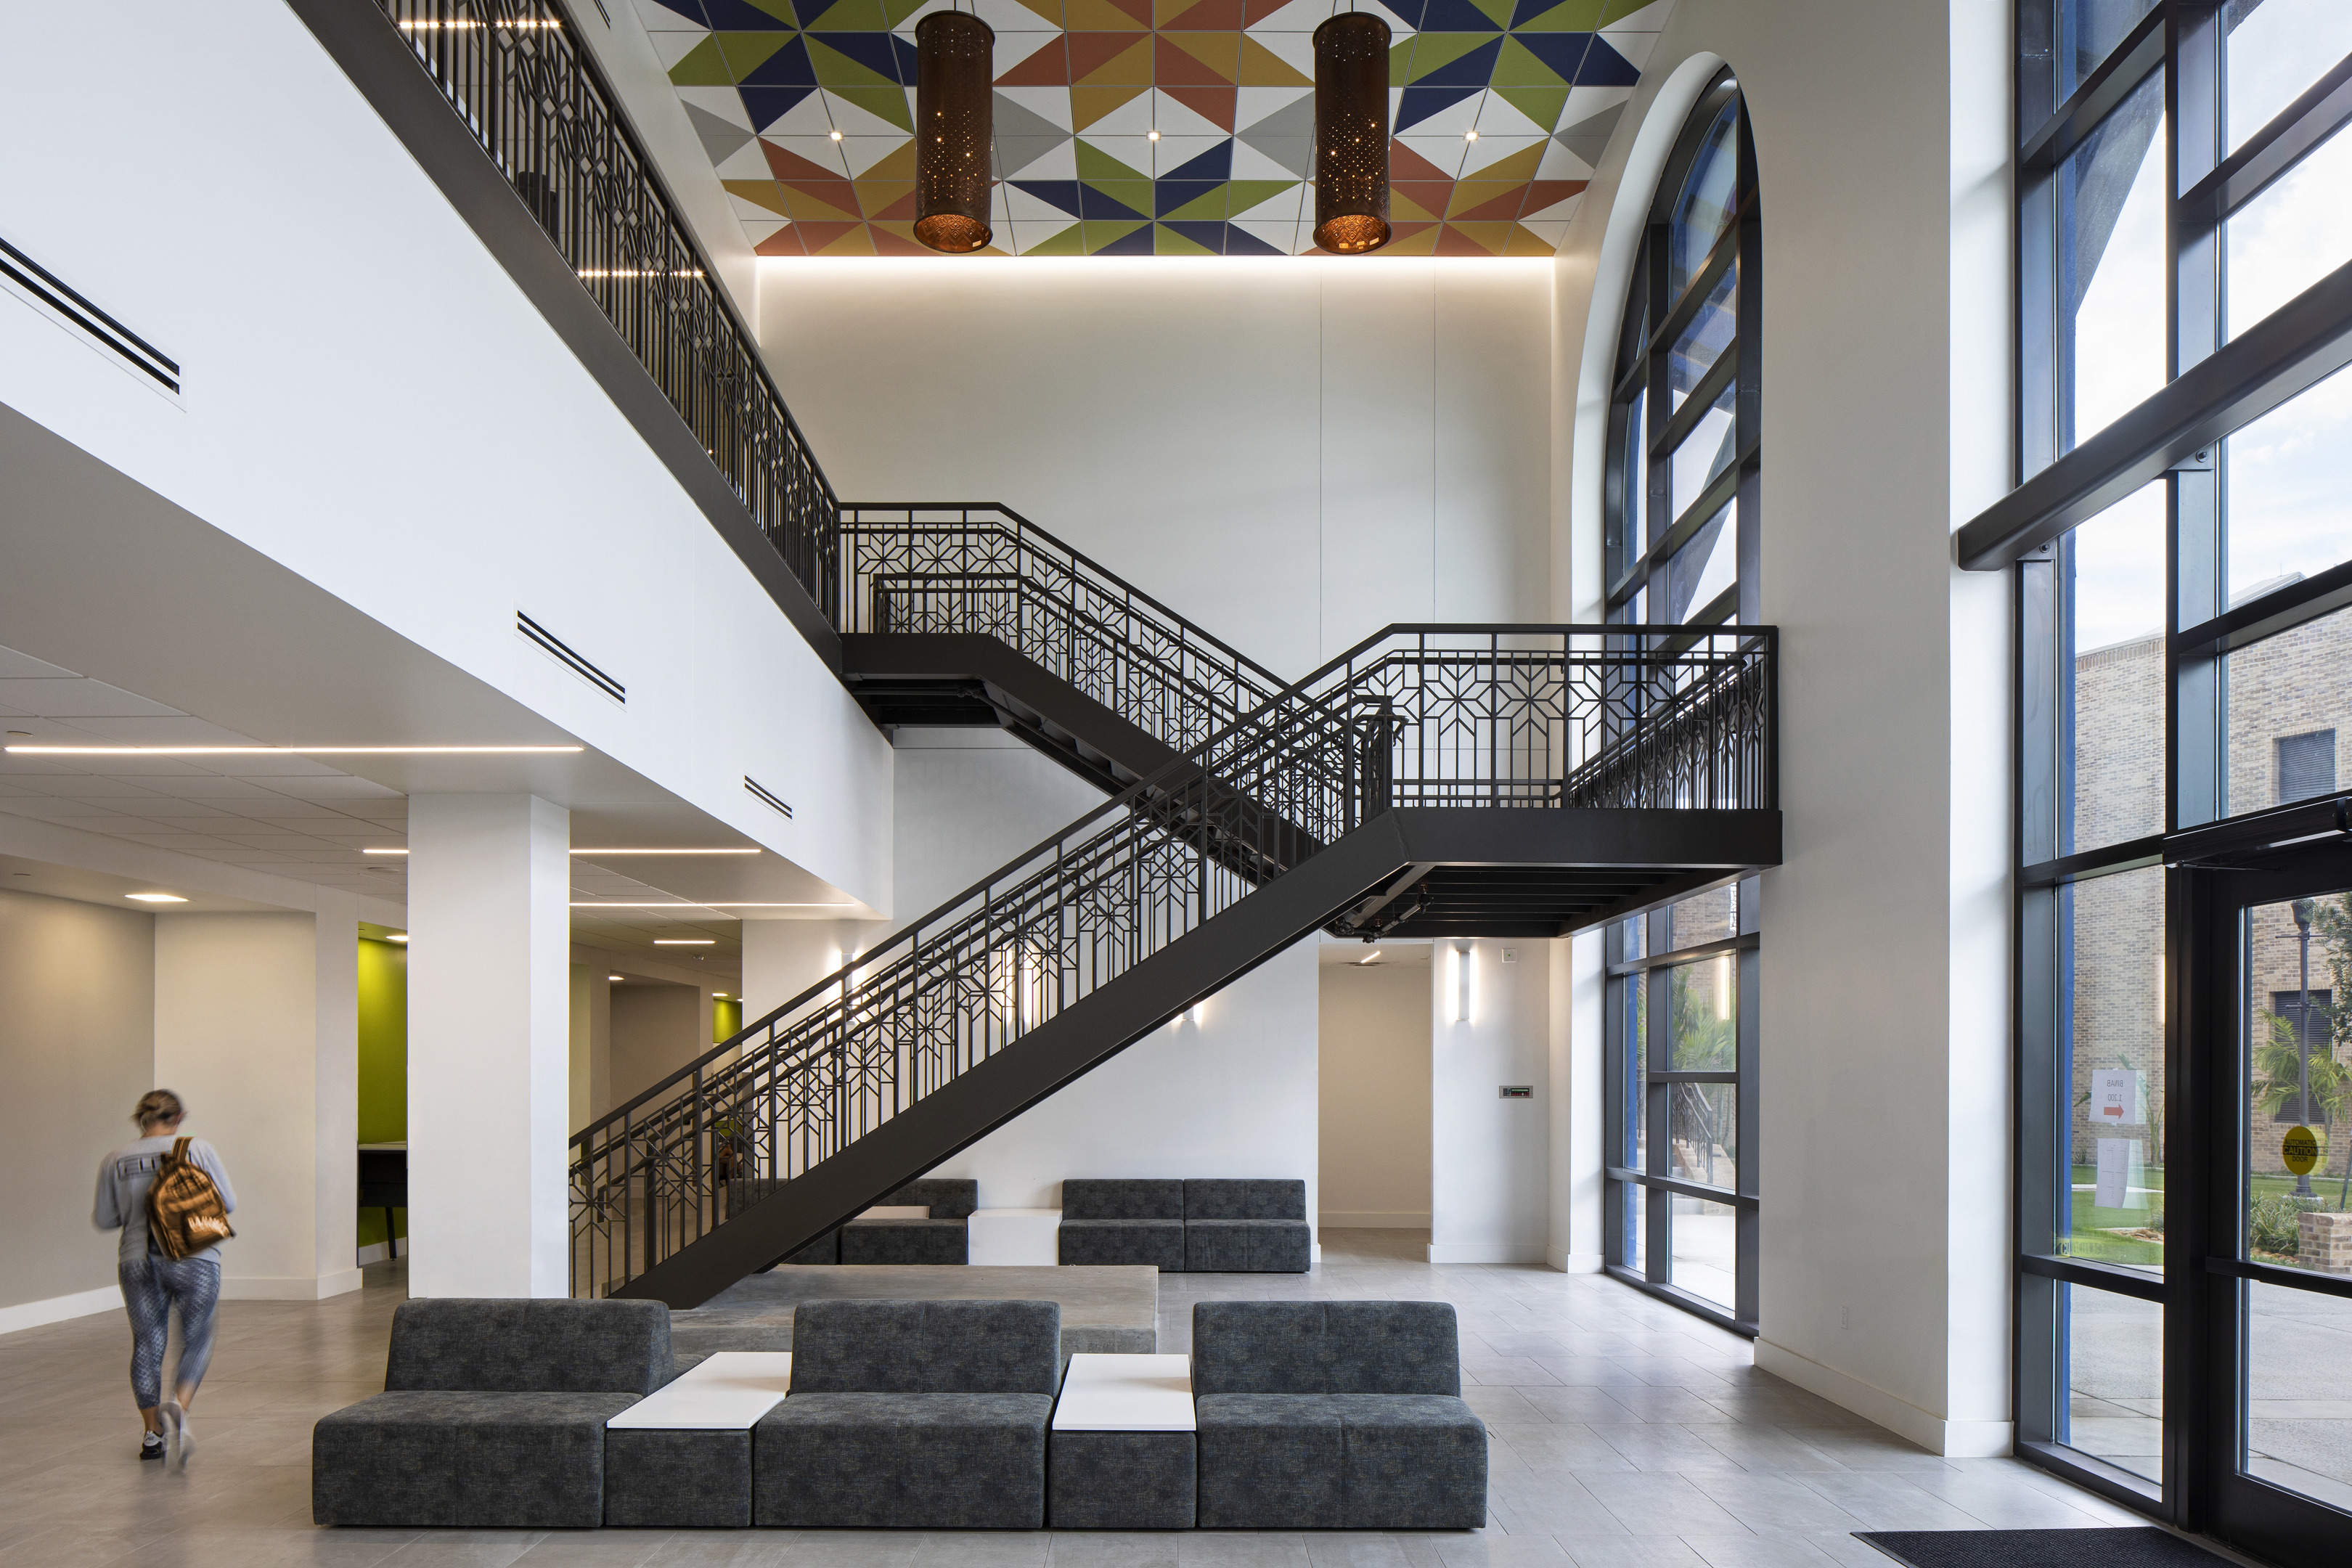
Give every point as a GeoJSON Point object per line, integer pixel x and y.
{"type": "Point", "coordinates": [1013, 1238]}
{"type": "Point", "coordinates": [680, 1459]}
{"type": "Point", "coordinates": [1121, 1454]}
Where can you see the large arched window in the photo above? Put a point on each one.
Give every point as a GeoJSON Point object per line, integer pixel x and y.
{"type": "Point", "coordinates": [1679, 529]}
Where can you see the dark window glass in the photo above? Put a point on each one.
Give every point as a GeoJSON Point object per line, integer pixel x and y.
{"type": "Point", "coordinates": [2111, 287]}
{"type": "Point", "coordinates": [1709, 195]}
{"type": "Point", "coordinates": [2088, 31]}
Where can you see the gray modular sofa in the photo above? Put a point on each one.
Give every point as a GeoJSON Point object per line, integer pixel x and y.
{"type": "Point", "coordinates": [1204, 1226]}
{"type": "Point", "coordinates": [923, 1414]}
{"type": "Point", "coordinates": [1334, 1416]}
{"type": "Point", "coordinates": [941, 1238]}
{"type": "Point", "coordinates": [492, 1416]}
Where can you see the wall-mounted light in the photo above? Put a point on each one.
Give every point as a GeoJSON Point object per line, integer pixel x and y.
{"type": "Point", "coordinates": [156, 897]}
{"type": "Point", "coordinates": [718, 995]}
{"type": "Point", "coordinates": [399, 936]}
{"type": "Point", "coordinates": [1462, 950]}
{"type": "Point", "coordinates": [1722, 986]}
{"type": "Point", "coordinates": [1197, 1008]}
{"type": "Point", "coordinates": [617, 977]}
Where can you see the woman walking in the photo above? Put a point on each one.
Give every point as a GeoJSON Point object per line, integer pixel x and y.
{"type": "Point", "coordinates": [154, 1285]}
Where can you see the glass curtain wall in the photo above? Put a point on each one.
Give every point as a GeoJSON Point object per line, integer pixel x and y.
{"type": "Point", "coordinates": [2186, 662]}
{"type": "Point", "coordinates": [1679, 532]}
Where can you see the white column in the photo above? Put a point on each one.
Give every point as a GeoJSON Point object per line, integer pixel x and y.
{"type": "Point", "coordinates": [1576, 1103]}
{"type": "Point", "coordinates": [488, 1045]}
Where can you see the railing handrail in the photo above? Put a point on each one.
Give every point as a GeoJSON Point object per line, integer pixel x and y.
{"type": "Point", "coordinates": [1192, 628]}
{"type": "Point", "coordinates": [1189, 763]}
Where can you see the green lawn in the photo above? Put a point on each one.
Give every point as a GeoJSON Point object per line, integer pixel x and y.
{"type": "Point", "coordinates": [2100, 1233]}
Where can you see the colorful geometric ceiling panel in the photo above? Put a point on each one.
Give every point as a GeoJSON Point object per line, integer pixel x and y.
{"type": "Point", "coordinates": [1155, 127]}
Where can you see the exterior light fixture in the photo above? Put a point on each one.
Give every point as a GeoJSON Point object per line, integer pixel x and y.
{"type": "Point", "coordinates": [156, 897]}
{"type": "Point", "coordinates": [954, 70]}
{"type": "Point", "coordinates": [1351, 133]}
{"type": "Point", "coordinates": [1462, 950]}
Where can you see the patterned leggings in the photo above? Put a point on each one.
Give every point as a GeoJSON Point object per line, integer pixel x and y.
{"type": "Point", "coordinates": [153, 1287]}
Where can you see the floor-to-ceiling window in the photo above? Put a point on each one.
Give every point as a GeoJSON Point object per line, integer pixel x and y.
{"type": "Point", "coordinates": [2181, 537]}
{"type": "Point", "coordinates": [1680, 532]}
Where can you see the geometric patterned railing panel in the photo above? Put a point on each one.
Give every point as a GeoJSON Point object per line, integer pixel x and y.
{"type": "Point", "coordinates": [1523, 717]}
{"type": "Point", "coordinates": [933, 569]}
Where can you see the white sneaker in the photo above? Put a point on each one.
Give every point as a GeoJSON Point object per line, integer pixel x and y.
{"type": "Point", "coordinates": [177, 1441]}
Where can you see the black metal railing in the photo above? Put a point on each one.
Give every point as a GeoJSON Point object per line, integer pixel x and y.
{"type": "Point", "coordinates": [987, 569]}
{"type": "Point", "coordinates": [543, 111]}
{"type": "Point", "coordinates": [1525, 716]}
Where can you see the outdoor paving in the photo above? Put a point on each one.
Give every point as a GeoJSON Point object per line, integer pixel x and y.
{"type": "Point", "coordinates": [1625, 1434]}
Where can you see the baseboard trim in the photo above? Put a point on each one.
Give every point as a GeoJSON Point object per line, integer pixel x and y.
{"type": "Point", "coordinates": [1372, 1219]}
{"type": "Point", "coordinates": [1573, 1262]}
{"type": "Point", "coordinates": [1485, 1252]}
{"type": "Point", "coordinates": [59, 1308]}
{"type": "Point", "coordinates": [1937, 1434]}
{"type": "Point", "coordinates": [288, 1287]}
{"type": "Point", "coordinates": [373, 1252]}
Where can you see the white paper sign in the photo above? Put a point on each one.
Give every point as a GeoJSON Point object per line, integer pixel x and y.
{"type": "Point", "coordinates": [2122, 1172]}
{"type": "Point", "coordinates": [2118, 1097]}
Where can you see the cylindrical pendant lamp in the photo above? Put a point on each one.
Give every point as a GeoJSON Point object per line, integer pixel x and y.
{"type": "Point", "coordinates": [954, 56]}
{"type": "Point", "coordinates": [1351, 133]}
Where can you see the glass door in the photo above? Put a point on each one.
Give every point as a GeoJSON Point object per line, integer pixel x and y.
{"type": "Point", "coordinates": [2275, 1462]}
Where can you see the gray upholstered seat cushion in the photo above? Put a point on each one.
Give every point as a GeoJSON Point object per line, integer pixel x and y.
{"type": "Point", "coordinates": [932, 1461]}
{"type": "Point", "coordinates": [676, 1478]}
{"type": "Point", "coordinates": [947, 1197]}
{"type": "Point", "coordinates": [1159, 1242]}
{"type": "Point", "coordinates": [1340, 1461]}
{"type": "Point", "coordinates": [1248, 1247]}
{"type": "Point", "coordinates": [518, 1346]}
{"type": "Point", "coordinates": [1120, 1480]}
{"type": "Point", "coordinates": [905, 1241]}
{"type": "Point", "coordinates": [413, 1458]}
{"type": "Point", "coordinates": [1090, 1198]}
{"type": "Point", "coordinates": [927, 1347]}
{"type": "Point", "coordinates": [1220, 1198]}
{"type": "Point", "coordinates": [1325, 1347]}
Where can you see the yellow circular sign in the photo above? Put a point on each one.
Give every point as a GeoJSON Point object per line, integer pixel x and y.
{"type": "Point", "coordinates": [2300, 1150]}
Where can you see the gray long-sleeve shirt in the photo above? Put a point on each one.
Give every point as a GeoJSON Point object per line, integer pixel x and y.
{"type": "Point", "coordinates": [122, 1183]}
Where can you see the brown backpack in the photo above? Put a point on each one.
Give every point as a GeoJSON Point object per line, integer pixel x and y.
{"type": "Point", "coordinates": [184, 1214]}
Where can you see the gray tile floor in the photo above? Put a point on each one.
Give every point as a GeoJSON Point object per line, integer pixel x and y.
{"type": "Point", "coordinates": [1627, 1435]}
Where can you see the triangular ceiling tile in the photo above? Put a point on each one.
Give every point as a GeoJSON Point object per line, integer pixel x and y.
{"type": "Point", "coordinates": [1050, 104]}
{"type": "Point", "coordinates": [721, 140]}
{"type": "Point", "coordinates": [722, 101]}
{"type": "Point", "coordinates": [1289, 160]}
{"type": "Point", "coordinates": [747, 162]}
{"type": "Point", "coordinates": [1563, 163]}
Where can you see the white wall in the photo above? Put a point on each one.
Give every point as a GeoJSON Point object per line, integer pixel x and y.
{"type": "Point", "coordinates": [256, 1027]}
{"type": "Point", "coordinates": [76, 1050]}
{"type": "Point", "coordinates": [1887, 424]}
{"type": "Point", "coordinates": [1490, 1157]}
{"type": "Point", "coordinates": [1374, 1131]}
{"type": "Point", "coordinates": [657, 1027]}
{"type": "Point", "coordinates": [1291, 453]}
{"type": "Point", "coordinates": [379, 409]}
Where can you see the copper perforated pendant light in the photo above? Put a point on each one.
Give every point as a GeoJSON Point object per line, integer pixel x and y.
{"type": "Point", "coordinates": [954, 52]}
{"type": "Point", "coordinates": [1351, 133]}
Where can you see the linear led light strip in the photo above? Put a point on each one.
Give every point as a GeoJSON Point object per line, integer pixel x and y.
{"type": "Point", "coordinates": [287, 750]}
{"type": "Point", "coordinates": [394, 851]}
{"type": "Point", "coordinates": [721, 904]}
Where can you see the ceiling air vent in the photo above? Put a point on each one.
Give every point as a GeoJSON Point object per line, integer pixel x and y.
{"type": "Point", "coordinates": [766, 795]}
{"type": "Point", "coordinates": [51, 293]}
{"type": "Point", "coordinates": [565, 655]}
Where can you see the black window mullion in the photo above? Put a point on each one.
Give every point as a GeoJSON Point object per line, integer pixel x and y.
{"type": "Point", "coordinates": [1658, 1207]}
{"type": "Point", "coordinates": [1747, 408]}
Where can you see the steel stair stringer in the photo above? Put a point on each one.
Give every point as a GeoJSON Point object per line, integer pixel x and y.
{"type": "Point", "coordinates": [986, 1096]}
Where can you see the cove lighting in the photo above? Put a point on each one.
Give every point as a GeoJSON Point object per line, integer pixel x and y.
{"type": "Point", "coordinates": [156, 898]}
{"type": "Point", "coordinates": [718, 995]}
{"type": "Point", "coordinates": [287, 750]}
{"type": "Point", "coordinates": [1369, 958]}
{"type": "Point", "coordinates": [683, 941]}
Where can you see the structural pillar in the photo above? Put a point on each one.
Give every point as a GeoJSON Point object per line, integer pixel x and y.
{"type": "Point", "coordinates": [489, 933]}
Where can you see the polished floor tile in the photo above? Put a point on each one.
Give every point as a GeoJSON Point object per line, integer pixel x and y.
{"type": "Point", "coordinates": [1624, 1434]}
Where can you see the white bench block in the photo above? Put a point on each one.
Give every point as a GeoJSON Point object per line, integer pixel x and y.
{"type": "Point", "coordinates": [1126, 1394]}
{"type": "Point", "coordinates": [729, 1392]}
{"type": "Point", "coordinates": [1029, 1238]}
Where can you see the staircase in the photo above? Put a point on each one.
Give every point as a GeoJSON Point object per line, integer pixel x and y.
{"type": "Point", "coordinates": [1439, 781]}
{"type": "Point", "coordinates": [1432, 781]}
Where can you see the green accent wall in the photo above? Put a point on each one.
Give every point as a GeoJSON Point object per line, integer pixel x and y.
{"type": "Point", "coordinates": [726, 1017]}
{"type": "Point", "coordinates": [383, 1063]}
